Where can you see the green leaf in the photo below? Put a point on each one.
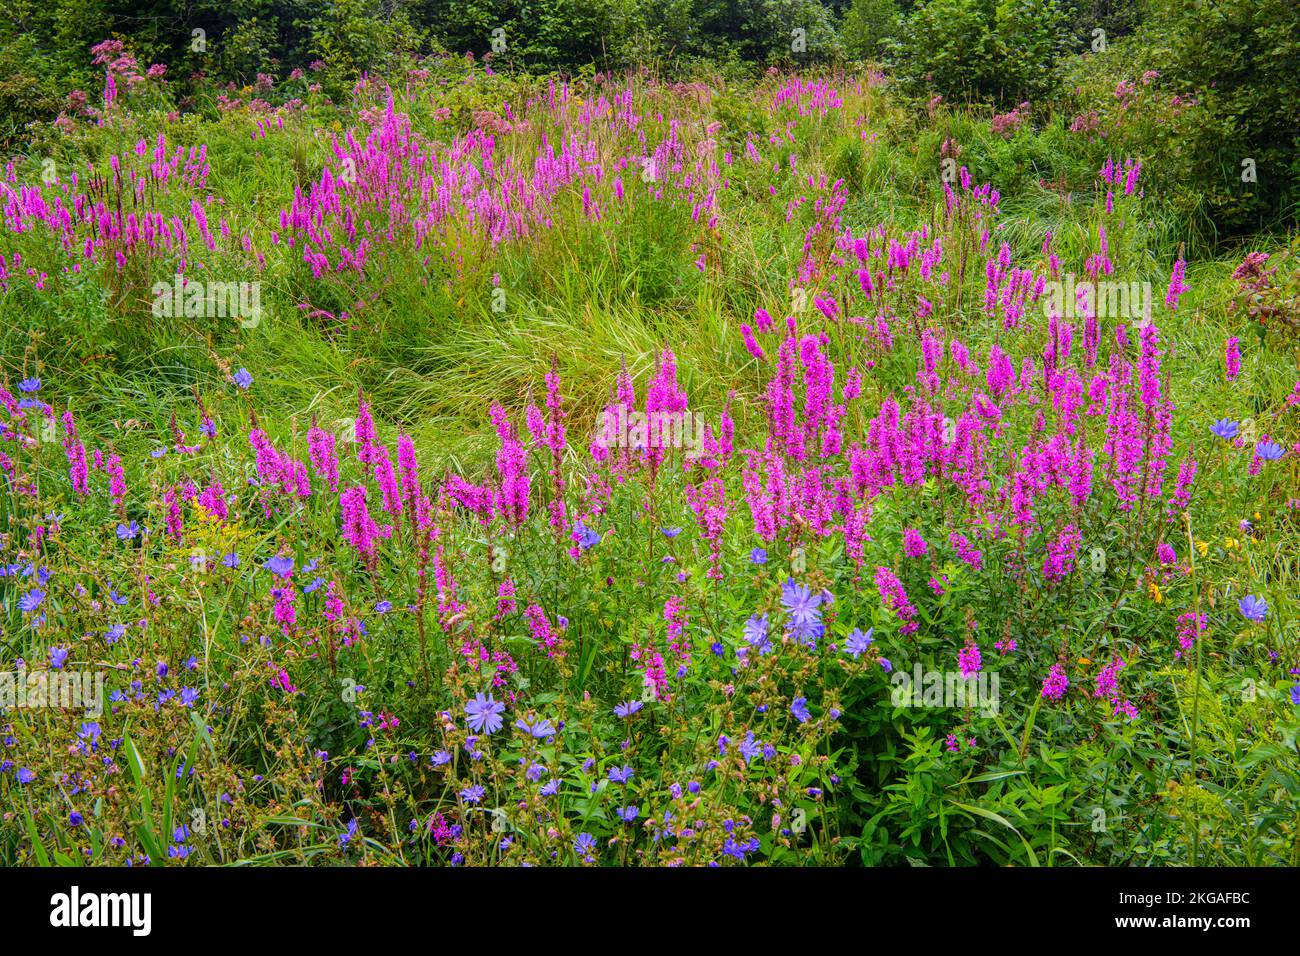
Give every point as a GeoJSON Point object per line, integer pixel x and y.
{"type": "Point", "coordinates": [37, 847]}
{"type": "Point", "coordinates": [990, 776]}
{"type": "Point", "coordinates": [998, 818]}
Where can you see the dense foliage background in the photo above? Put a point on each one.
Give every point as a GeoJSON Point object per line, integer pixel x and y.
{"type": "Point", "coordinates": [1238, 59]}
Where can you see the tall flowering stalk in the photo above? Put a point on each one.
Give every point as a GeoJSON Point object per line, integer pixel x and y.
{"type": "Point", "coordinates": [547, 430]}
{"type": "Point", "coordinates": [76, 455]}
{"type": "Point", "coordinates": [323, 457]}
{"type": "Point", "coordinates": [513, 482]}
{"type": "Point", "coordinates": [1232, 358]}
{"type": "Point", "coordinates": [359, 529]}
{"type": "Point", "coordinates": [417, 503]}
{"type": "Point", "coordinates": [1176, 285]}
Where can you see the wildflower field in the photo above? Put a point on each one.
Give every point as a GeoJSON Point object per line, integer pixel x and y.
{"type": "Point", "coordinates": [480, 468]}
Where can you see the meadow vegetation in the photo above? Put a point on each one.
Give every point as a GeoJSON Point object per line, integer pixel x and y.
{"type": "Point", "coordinates": [453, 462]}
